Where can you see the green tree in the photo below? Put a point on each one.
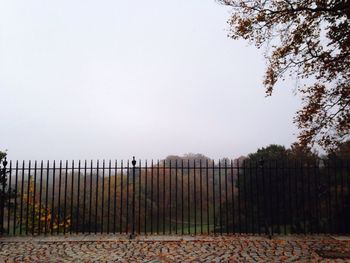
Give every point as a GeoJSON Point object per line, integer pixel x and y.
{"type": "Point", "coordinates": [41, 217]}
{"type": "Point", "coordinates": [342, 152]}
{"type": "Point", "coordinates": [2, 155]}
{"type": "Point", "coordinates": [271, 187]}
{"type": "Point", "coordinates": [308, 40]}
{"type": "Point", "coordinates": [272, 152]}
{"type": "Point", "coordinates": [338, 161]}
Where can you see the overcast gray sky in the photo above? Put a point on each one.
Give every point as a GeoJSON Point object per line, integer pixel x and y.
{"type": "Point", "coordinates": [112, 79]}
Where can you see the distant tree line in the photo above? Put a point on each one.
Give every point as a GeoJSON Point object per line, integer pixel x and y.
{"type": "Point", "coordinates": [274, 189]}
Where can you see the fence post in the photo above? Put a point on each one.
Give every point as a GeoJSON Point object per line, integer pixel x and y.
{"type": "Point", "coordinates": [266, 222]}
{"type": "Point", "coordinates": [2, 195]}
{"type": "Point", "coordinates": [133, 196]}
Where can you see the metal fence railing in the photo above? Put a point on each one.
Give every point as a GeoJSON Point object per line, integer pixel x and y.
{"type": "Point", "coordinates": [175, 197]}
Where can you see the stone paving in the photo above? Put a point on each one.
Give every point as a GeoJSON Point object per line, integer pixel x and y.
{"type": "Point", "coordinates": [233, 248]}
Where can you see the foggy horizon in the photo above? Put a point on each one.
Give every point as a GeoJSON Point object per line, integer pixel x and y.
{"type": "Point", "coordinates": [112, 80]}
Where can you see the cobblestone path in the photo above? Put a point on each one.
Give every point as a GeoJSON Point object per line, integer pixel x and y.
{"type": "Point", "coordinates": [236, 248]}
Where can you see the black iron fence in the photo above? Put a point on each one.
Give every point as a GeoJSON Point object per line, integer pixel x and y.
{"type": "Point", "coordinates": [175, 197]}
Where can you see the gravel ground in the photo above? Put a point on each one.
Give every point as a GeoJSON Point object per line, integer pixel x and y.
{"type": "Point", "coordinates": [116, 248]}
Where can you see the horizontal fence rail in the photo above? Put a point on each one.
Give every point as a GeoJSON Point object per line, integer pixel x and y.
{"type": "Point", "coordinates": [175, 197]}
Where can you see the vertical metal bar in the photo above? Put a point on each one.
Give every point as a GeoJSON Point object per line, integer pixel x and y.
{"type": "Point", "coordinates": [245, 196]}
{"type": "Point", "coordinates": [47, 196]}
{"type": "Point", "coordinates": [232, 197]}
{"type": "Point", "coordinates": [275, 196]}
{"type": "Point", "coordinates": [176, 190]}
{"type": "Point", "coordinates": [84, 198]}
{"type": "Point", "coordinates": [271, 200]}
{"type": "Point", "coordinates": [335, 171]}
{"type": "Point", "coordinates": [170, 207]}
{"type": "Point", "coordinates": [309, 206]}
{"type": "Point", "coordinates": [284, 196]}
{"type": "Point", "coordinates": [34, 198]}
{"type": "Point", "coordinates": [330, 227]}
{"type": "Point", "coordinates": [316, 190]}
{"type": "Point", "coordinates": [40, 194]}
{"type": "Point", "coordinates": [214, 219]}
{"type": "Point", "coordinates": [59, 196]}
{"type": "Point", "coordinates": [3, 172]}
{"type": "Point", "coordinates": [258, 215]}
{"type": "Point", "coordinates": [281, 177]}
{"type": "Point", "coordinates": [342, 185]}
{"type": "Point", "coordinates": [96, 201]}
{"type": "Point", "coordinates": [9, 190]}
{"type": "Point", "coordinates": [291, 212]}
{"type": "Point", "coordinates": [226, 198]}
{"type": "Point", "coordinates": [139, 202]}
{"type": "Point", "coordinates": [15, 205]}
{"type": "Point", "coordinates": [146, 197]}
{"type": "Point", "coordinates": [201, 194]}
{"type": "Point", "coordinates": [115, 196]}
{"type": "Point", "coordinates": [152, 197]}
{"type": "Point", "coordinates": [121, 197]}
{"type": "Point", "coordinates": [275, 185]}
{"type": "Point", "coordinates": [298, 195]}
{"type": "Point", "coordinates": [239, 198]}
{"type": "Point", "coordinates": [296, 192]}
{"type": "Point", "coordinates": [127, 197]}
{"type": "Point", "coordinates": [28, 197]}
{"type": "Point", "coordinates": [164, 204]}
{"type": "Point", "coordinates": [65, 198]}
{"type": "Point", "coordinates": [347, 172]}
{"type": "Point", "coordinates": [103, 194]}
{"type": "Point", "coordinates": [303, 195]}
{"type": "Point", "coordinates": [90, 196]}
{"type": "Point", "coordinates": [21, 205]}
{"type": "Point", "coordinates": [195, 196]}
{"type": "Point", "coordinates": [207, 192]}
{"type": "Point", "coordinates": [268, 198]}
{"type": "Point", "coordinates": [78, 200]}
{"type": "Point", "coordinates": [188, 197]}
{"type": "Point", "coordinates": [280, 195]}
{"type": "Point", "coordinates": [133, 195]}
{"type": "Point", "coordinates": [53, 197]}
{"type": "Point", "coordinates": [71, 200]}
{"type": "Point", "coordinates": [182, 197]}
{"type": "Point", "coordinates": [264, 212]}
{"type": "Point", "coordinates": [220, 198]}
{"type": "Point", "coordinates": [2, 199]}
{"type": "Point", "coordinates": [251, 197]}
{"type": "Point", "coordinates": [109, 196]}
{"type": "Point", "coordinates": [158, 204]}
